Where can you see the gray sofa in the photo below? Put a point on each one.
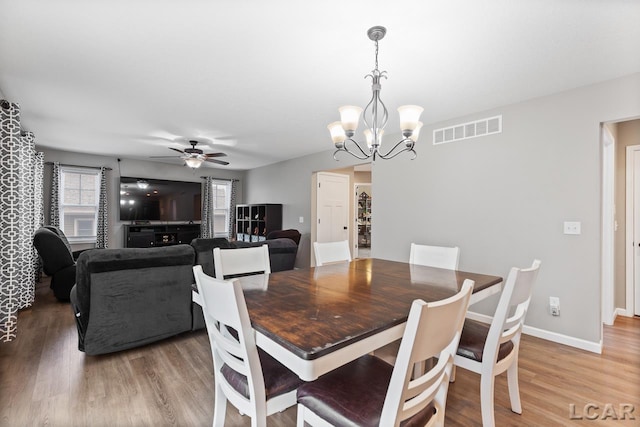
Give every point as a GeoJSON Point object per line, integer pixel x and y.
{"type": "Point", "coordinates": [125, 298]}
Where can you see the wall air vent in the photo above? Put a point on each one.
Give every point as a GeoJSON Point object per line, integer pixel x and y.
{"type": "Point", "coordinates": [468, 130]}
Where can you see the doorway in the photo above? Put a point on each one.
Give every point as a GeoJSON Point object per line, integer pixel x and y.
{"type": "Point", "coordinates": [633, 231]}
{"type": "Point", "coordinates": [626, 231]}
{"type": "Point", "coordinates": [363, 199]}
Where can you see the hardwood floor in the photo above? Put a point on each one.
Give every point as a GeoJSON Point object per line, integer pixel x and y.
{"type": "Point", "coordinates": [45, 380]}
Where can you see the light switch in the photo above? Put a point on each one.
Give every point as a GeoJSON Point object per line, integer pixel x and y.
{"type": "Point", "coordinates": [301, 219]}
{"type": "Point", "coordinates": [572, 227]}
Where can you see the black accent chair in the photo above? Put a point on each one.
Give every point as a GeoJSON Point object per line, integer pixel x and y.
{"type": "Point", "coordinates": [58, 260]}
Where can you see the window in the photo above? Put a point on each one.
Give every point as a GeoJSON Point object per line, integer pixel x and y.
{"type": "Point", "coordinates": [79, 198]}
{"type": "Point", "coordinates": [221, 207]}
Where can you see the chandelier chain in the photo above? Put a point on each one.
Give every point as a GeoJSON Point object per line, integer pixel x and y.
{"type": "Point", "coordinates": [376, 55]}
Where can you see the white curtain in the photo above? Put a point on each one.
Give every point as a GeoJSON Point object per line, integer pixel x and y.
{"type": "Point", "coordinates": [21, 212]}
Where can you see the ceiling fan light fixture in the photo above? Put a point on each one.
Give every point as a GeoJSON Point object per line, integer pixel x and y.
{"type": "Point", "coordinates": [193, 162]}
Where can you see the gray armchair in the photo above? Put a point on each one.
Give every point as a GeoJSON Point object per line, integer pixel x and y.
{"type": "Point", "coordinates": [129, 297]}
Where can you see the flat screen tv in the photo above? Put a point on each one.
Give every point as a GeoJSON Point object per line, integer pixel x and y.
{"type": "Point", "coordinates": [146, 199]}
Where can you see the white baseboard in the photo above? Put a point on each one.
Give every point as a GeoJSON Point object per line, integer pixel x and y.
{"type": "Point", "coordinates": [621, 312]}
{"type": "Point", "coordinates": [594, 347]}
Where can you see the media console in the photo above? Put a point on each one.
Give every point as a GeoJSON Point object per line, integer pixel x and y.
{"type": "Point", "coordinates": [152, 235]}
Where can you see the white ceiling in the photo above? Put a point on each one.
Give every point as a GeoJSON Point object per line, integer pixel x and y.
{"type": "Point", "coordinates": [260, 80]}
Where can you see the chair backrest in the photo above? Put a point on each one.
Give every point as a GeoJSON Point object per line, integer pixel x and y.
{"type": "Point", "coordinates": [511, 310]}
{"type": "Point", "coordinates": [53, 250]}
{"type": "Point", "coordinates": [61, 234]}
{"type": "Point", "coordinates": [331, 252]}
{"type": "Point", "coordinates": [432, 330]}
{"type": "Point", "coordinates": [435, 256]}
{"type": "Point", "coordinates": [290, 233]}
{"type": "Point", "coordinates": [234, 262]}
{"type": "Point", "coordinates": [232, 341]}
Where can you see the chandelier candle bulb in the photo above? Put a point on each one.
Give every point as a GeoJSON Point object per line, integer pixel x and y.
{"type": "Point", "coordinates": [337, 132]}
{"type": "Point", "coordinates": [414, 135]}
{"type": "Point", "coordinates": [350, 117]}
{"type": "Point", "coordinates": [409, 116]}
{"type": "Point", "coordinates": [368, 135]}
{"type": "Point", "coordinates": [375, 116]}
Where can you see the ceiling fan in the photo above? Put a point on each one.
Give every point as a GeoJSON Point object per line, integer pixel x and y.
{"type": "Point", "coordinates": [193, 157]}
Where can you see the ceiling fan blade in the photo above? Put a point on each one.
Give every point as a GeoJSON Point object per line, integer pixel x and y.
{"type": "Point", "coordinates": [175, 149]}
{"type": "Point", "coordinates": [220, 162]}
{"type": "Point", "coordinates": [215, 155]}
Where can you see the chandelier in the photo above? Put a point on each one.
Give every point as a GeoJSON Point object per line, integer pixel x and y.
{"type": "Point", "coordinates": [375, 116]}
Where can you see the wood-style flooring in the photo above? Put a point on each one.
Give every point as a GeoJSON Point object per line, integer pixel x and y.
{"type": "Point", "coordinates": [45, 380]}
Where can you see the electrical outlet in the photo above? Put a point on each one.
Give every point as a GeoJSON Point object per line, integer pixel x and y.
{"type": "Point", "coordinates": [554, 306]}
{"type": "Point", "coordinates": [572, 227]}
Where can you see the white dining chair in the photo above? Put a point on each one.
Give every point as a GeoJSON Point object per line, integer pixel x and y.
{"type": "Point", "coordinates": [370, 392]}
{"type": "Point", "coordinates": [490, 350]}
{"type": "Point", "coordinates": [430, 256]}
{"type": "Point", "coordinates": [435, 256]}
{"type": "Point", "coordinates": [329, 252]}
{"type": "Point", "coordinates": [251, 380]}
{"type": "Point", "coordinates": [234, 262]}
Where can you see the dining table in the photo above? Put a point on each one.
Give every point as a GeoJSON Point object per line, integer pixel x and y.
{"type": "Point", "coordinates": [314, 320]}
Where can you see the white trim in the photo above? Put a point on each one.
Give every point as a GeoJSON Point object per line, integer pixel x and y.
{"type": "Point", "coordinates": [620, 312]}
{"type": "Point", "coordinates": [629, 251]}
{"type": "Point", "coordinates": [311, 369]}
{"type": "Point", "coordinates": [594, 347]}
{"type": "Point", "coordinates": [608, 218]}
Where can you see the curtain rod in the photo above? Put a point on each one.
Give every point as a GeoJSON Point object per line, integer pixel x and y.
{"type": "Point", "coordinates": [220, 179]}
{"type": "Point", "coordinates": [79, 166]}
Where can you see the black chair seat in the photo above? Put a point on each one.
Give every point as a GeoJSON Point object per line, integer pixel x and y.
{"type": "Point", "coordinates": [473, 338]}
{"type": "Point", "coordinates": [354, 394]}
{"type": "Point", "coordinates": [277, 378]}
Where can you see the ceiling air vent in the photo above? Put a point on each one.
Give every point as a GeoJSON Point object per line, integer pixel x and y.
{"type": "Point", "coordinates": [468, 130]}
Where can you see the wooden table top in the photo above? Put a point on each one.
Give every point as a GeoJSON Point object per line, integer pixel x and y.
{"type": "Point", "coordinates": [312, 312]}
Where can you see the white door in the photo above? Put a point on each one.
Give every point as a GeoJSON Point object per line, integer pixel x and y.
{"type": "Point", "coordinates": [636, 230]}
{"type": "Point", "coordinates": [332, 207]}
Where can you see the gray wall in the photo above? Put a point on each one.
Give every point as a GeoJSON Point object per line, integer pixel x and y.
{"type": "Point", "coordinates": [132, 168]}
{"type": "Point", "coordinates": [501, 198]}
{"type": "Point", "coordinates": [289, 183]}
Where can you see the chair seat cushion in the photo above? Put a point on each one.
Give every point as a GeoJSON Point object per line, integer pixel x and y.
{"type": "Point", "coordinates": [277, 378]}
{"type": "Point", "coordinates": [354, 394]}
{"type": "Point", "coordinates": [473, 338]}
